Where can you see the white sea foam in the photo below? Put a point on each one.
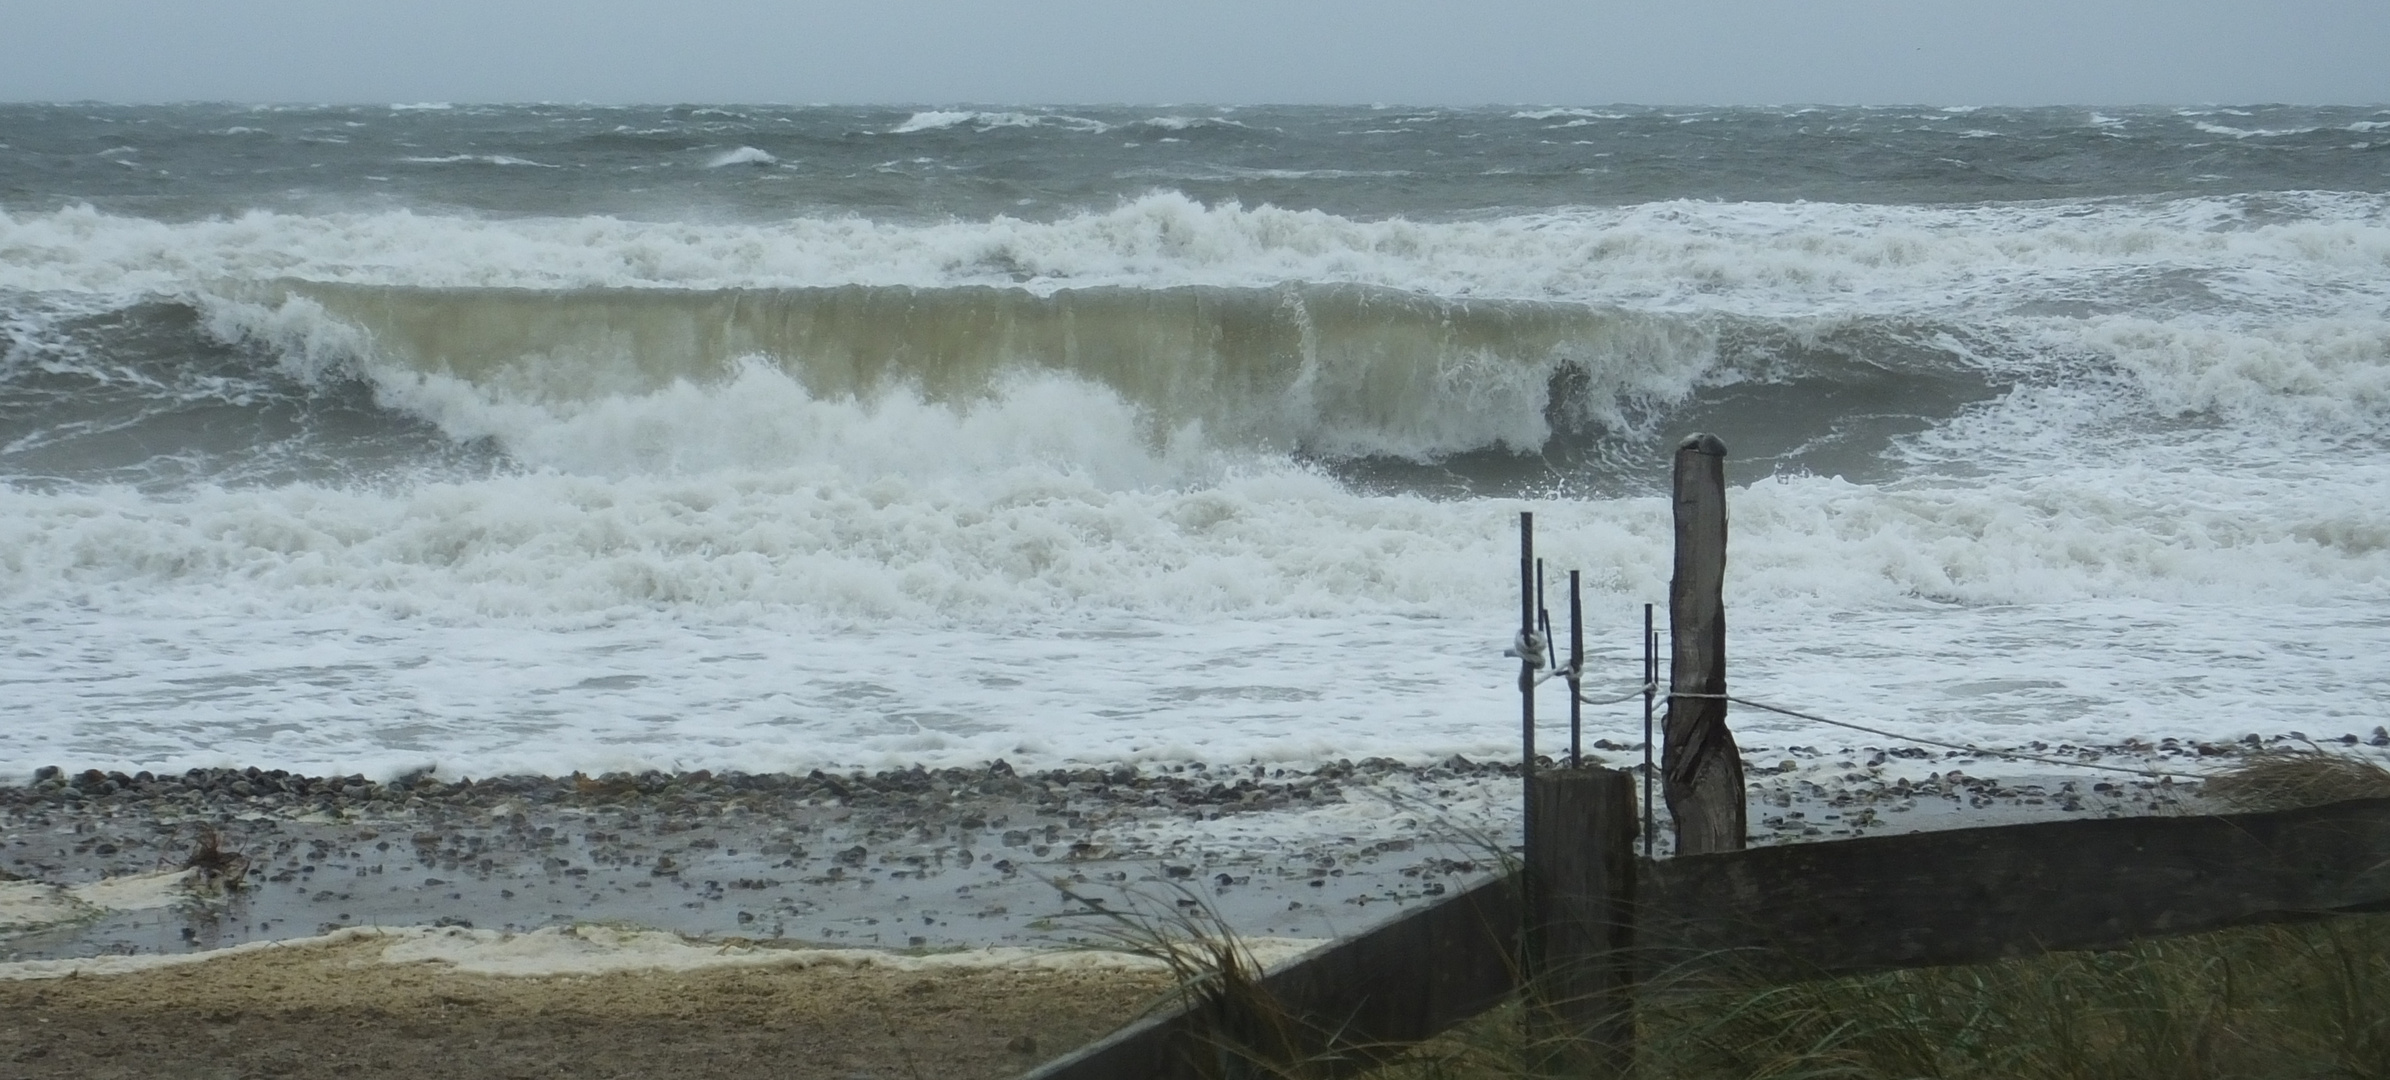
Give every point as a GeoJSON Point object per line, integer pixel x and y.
{"type": "Point", "coordinates": [2253, 133]}
{"type": "Point", "coordinates": [478, 159]}
{"type": "Point", "coordinates": [553, 623]}
{"type": "Point", "coordinates": [32, 905]}
{"type": "Point", "coordinates": [941, 120]}
{"type": "Point", "coordinates": [745, 155]}
{"type": "Point", "coordinates": [1765, 259]}
{"type": "Point", "coordinates": [2172, 525]}
{"type": "Point", "coordinates": [742, 575]}
{"type": "Point", "coordinates": [1239, 172]}
{"type": "Point", "coordinates": [600, 950]}
{"type": "Point", "coordinates": [2322, 378]}
{"type": "Point", "coordinates": [1189, 123]}
{"type": "Point", "coordinates": [1048, 498]}
{"type": "Point", "coordinates": [1568, 114]}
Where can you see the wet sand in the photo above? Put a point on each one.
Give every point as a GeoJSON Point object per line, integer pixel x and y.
{"type": "Point", "coordinates": [899, 860]}
{"type": "Point", "coordinates": [906, 860]}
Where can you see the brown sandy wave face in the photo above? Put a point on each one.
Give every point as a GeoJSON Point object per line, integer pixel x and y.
{"type": "Point", "coordinates": [1333, 368]}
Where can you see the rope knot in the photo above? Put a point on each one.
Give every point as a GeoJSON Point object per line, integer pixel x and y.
{"type": "Point", "coordinates": [1529, 648]}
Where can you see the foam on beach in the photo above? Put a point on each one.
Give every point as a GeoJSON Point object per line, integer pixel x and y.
{"type": "Point", "coordinates": [604, 950]}
{"type": "Point", "coordinates": [27, 906]}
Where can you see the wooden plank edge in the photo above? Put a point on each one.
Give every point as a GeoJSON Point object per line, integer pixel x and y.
{"type": "Point", "coordinates": [2347, 872]}
{"type": "Point", "coordinates": [1158, 1046]}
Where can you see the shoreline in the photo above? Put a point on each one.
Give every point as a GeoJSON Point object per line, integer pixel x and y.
{"type": "Point", "coordinates": [538, 925]}
{"type": "Point", "coordinates": [914, 859]}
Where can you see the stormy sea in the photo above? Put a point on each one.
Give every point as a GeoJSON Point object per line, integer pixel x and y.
{"type": "Point", "coordinates": [544, 438]}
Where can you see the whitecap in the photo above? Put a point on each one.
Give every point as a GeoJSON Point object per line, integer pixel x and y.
{"type": "Point", "coordinates": [1557, 114]}
{"type": "Point", "coordinates": [940, 120]}
{"type": "Point", "coordinates": [2252, 133]}
{"type": "Point", "coordinates": [745, 155]}
{"type": "Point", "coordinates": [479, 159]}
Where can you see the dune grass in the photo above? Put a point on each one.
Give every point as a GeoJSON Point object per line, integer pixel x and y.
{"type": "Point", "coordinates": [2305, 1001]}
{"type": "Point", "coordinates": [2287, 1001]}
{"type": "Point", "coordinates": [2282, 779]}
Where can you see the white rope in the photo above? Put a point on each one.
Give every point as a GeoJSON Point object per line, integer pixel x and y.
{"type": "Point", "coordinates": [1620, 699]}
{"type": "Point", "coordinates": [1967, 747]}
{"type": "Point", "coordinates": [1528, 648]}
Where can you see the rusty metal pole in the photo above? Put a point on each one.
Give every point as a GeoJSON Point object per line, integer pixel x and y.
{"type": "Point", "coordinates": [1576, 671]}
{"type": "Point", "coordinates": [1651, 686]}
{"type": "Point", "coordinates": [1526, 633]}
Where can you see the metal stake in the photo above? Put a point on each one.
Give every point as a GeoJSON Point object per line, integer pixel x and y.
{"type": "Point", "coordinates": [1576, 671]}
{"type": "Point", "coordinates": [1651, 682]}
{"type": "Point", "coordinates": [1526, 631]}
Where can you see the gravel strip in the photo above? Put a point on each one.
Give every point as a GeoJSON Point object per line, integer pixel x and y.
{"type": "Point", "coordinates": [917, 858]}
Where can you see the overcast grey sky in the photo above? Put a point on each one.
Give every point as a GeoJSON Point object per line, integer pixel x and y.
{"type": "Point", "coordinates": [1226, 51]}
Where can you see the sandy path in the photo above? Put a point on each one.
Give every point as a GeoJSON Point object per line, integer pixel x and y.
{"type": "Point", "coordinates": [337, 1008]}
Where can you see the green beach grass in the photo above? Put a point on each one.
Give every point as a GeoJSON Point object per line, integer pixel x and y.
{"type": "Point", "coordinates": [2301, 1001]}
{"type": "Point", "coordinates": [2285, 1001]}
{"type": "Point", "coordinates": [2305, 1001]}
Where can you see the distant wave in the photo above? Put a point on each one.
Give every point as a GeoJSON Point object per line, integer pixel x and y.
{"type": "Point", "coordinates": [938, 120]}
{"type": "Point", "coordinates": [1238, 172]}
{"type": "Point", "coordinates": [1190, 123]}
{"type": "Point", "coordinates": [2255, 133]}
{"type": "Point", "coordinates": [478, 159]}
{"type": "Point", "coordinates": [1580, 114]}
{"type": "Point", "coordinates": [2224, 260]}
{"type": "Point", "coordinates": [745, 155]}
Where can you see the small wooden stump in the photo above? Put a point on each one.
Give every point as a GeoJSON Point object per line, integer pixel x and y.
{"type": "Point", "coordinates": [1580, 926]}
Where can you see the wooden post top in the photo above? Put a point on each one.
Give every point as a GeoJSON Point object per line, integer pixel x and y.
{"type": "Point", "coordinates": [1703, 442]}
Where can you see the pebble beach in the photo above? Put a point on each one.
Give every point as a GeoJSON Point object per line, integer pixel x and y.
{"type": "Point", "coordinates": [904, 859]}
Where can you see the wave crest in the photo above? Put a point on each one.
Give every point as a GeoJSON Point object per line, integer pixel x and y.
{"type": "Point", "coordinates": [944, 120]}
{"type": "Point", "coordinates": [1327, 370]}
{"type": "Point", "coordinates": [2253, 255]}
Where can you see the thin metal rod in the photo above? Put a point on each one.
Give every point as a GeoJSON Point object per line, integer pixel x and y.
{"type": "Point", "coordinates": [1526, 630]}
{"type": "Point", "coordinates": [1576, 669]}
{"type": "Point", "coordinates": [1650, 703]}
{"type": "Point", "coordinates": [1543, 617]}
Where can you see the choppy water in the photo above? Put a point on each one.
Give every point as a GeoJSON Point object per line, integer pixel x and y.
{"type": "Point", "coordinates": [543, 438]}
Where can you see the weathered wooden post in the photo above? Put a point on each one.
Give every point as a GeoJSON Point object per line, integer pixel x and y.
{"type": "Point", "coordinates": [1702, 771]}
{"type": "Point", "coordinates": [1580, 921]}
